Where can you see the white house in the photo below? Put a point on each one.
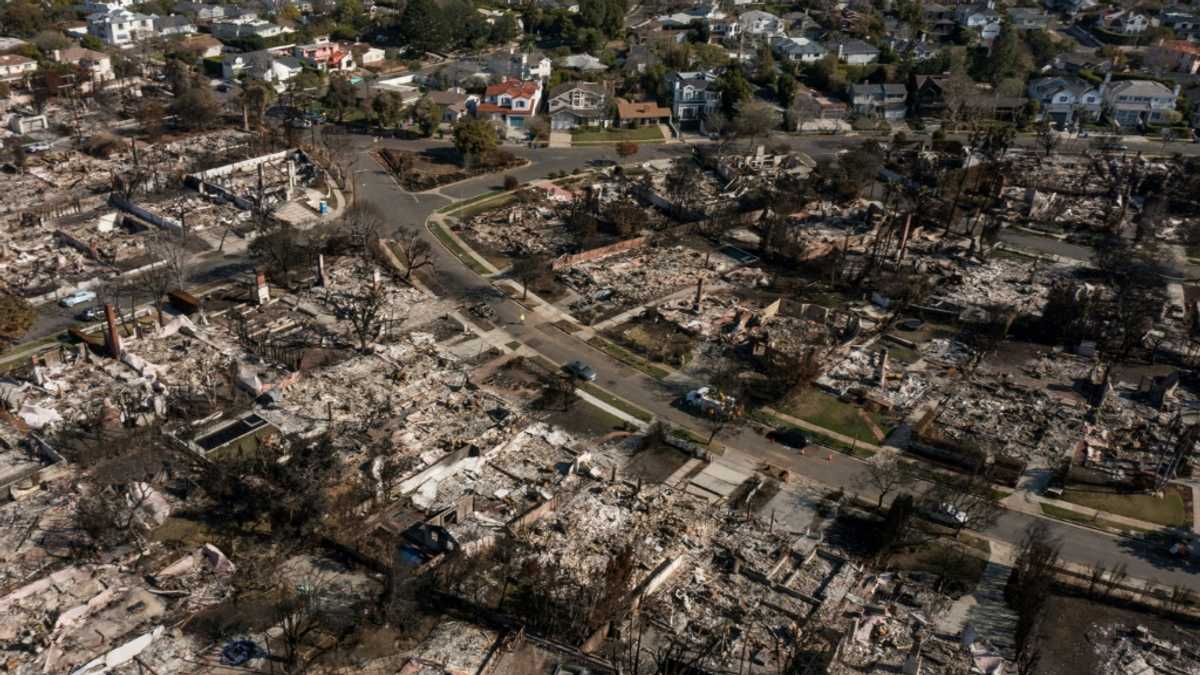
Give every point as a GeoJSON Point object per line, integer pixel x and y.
{"type": "Point", "coordinates": [582, 62]}
{"type": "Point", "coordinates": [1134, 103]}
{"type": "Point", "coordinates": [120, 27]}
{"type": "Point", "coordinates": [579, 104]}
{"type": "Point", "coordinates": [854, 52]}
{"type": "Point", "coordinates": [1126, 22]}
{"type": "Point", "coordinates": [175, 24]}
{"type": "Point", "coordinates": [367, 55]}
{"type": "Point", "coordinates": [760, 24]}
{"type": "Point", "coordinates": [879, 100]}
{"type": "Point", "coordinates": [97, 64]}
{"type": "Point", "coordinates": [983, 19]}
{"type": "Point", "coordinates": [691, 15]}
{"type": "Point", "coordinates": [800, 49]}
{"type": "Point", "coordinates": [518, 65]}
{"type": "Point", "coordinates": [16, 67]}
{"type": "Point", "coordinates": [262, 65]}
{"type": "Point", "coordinates": [693, 95]}
{"type": "Point", "coordinates": [102, 6]}
{"type": "Point", "coordinates": [1066, 99]}
{"type": "Point", "coordinates": [244, 27]}
{"type": "Point", "coordinates": [512, 102]}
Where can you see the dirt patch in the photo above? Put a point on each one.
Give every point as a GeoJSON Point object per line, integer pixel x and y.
{"type": "Point", "coordinates": [1069, 628]}
{"type": "Point", "coordinates": [435, 167]}
{"type": "Point", "coordinates": [655, 464]}
{"type": "Point", "coordinates": [587, 420]}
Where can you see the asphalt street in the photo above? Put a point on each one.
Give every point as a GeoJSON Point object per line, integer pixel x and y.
{"type": "Point", "coordinates": [455, 280]}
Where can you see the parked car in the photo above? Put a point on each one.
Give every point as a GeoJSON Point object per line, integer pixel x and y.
{"type": "Point", "coordinates": [789, 436]}
{"type": "Point", "coordinates": [77, 298]}
{"type": "Point", "coordinates": [948, 514]}
{"type": "Point", "coordinates": [91, 314]}
{"type": "Point", "coordinates": [40, 146]}
{"type": "Point", "coordinates": [581, 370]}
{"type": "Point", "coordinates": [1115, 147]}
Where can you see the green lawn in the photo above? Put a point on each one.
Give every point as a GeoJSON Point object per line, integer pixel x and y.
{"type": "Point", "coordinates": [835, 415]}
{"type": "Point", "coordinates": [637, 135]}
{"type": "Point", "coordinates": [629, 358]}
{"type": "Point", "coordinates": [1170, 510]}
{"type": "Point", "coordinates": [814, 437]}
{"type": "Point", "coordinates": [1070, 516]}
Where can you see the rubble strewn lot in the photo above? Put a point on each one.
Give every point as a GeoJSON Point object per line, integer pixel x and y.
{"type": "Point", "coordinates": [323, 466]}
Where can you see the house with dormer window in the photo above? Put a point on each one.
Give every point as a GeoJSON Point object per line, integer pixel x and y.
{"type": "Point", "coordinates": [120, 27]}
{"type": "Point", "coordinates": [512, 102]}
{"type": "Point", "coordinates": [694, 95]}
{"type": "Point", "coordinates": [1064, 100]}
{"type": "Point", "coordinates": [579, 104]}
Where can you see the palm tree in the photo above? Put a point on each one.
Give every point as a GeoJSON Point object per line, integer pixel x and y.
{"type": "Point", "coordinates": [254, 99]}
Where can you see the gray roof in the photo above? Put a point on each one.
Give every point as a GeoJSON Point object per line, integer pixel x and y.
{"type": "Point", "coordinates": [172, 21]}
{"type": "Point", "coordinates": [853, 47]}
{"type": "Point", "coordinates": [1149, 88]}
{"type": "Point", "coordinates": [878, 90]}
{"type": "Point", "coordinates": [793, 45]}
{"type": "Point", "coordinates": [593, 87]}
{"type": "Point", "coordinates": [698, 78]}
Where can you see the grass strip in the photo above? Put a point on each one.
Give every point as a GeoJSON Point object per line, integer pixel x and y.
{"type": "Point", "coordinates": [617, 402]}
{"type": "Point", "coordinates": [1059, 513]}
{"type": "Point", "coordinates": [628, 358]}
{"type": "Point", "coordinates": [816, 437]}
{"type": "Point", "coordinates": [458, 251]}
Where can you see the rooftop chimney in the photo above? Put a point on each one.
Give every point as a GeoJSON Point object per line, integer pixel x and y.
{"type": "Point", "coordinates": [112, 339]}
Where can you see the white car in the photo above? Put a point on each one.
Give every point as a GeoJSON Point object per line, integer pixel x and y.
{"type": "Point", "coordinates": [77, 298]}
{"type": "Point", "coordinates": [949, 514]}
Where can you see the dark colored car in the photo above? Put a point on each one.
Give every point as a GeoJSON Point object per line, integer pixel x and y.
{"type": "Point", "coordinates": [91, 314]}
{"type": "Point", "coordinates": [792, 438]}
{"type": "Point", "coordinates": [581, 370]}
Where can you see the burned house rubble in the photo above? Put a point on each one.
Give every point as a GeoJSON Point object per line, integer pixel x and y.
{"type": "Point", "coordinates": [329, 462]}
{"type": "Point", "coordinates": [74, 218]}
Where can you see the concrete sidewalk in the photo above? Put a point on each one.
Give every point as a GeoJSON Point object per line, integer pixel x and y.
{"type": "Point", "coordinates": [1030, 503]}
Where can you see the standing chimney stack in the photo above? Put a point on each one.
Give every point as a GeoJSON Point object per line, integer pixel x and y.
{"type": "Point", "coordinates": [262, 294]}
{"type": "Point", "coordinates": [112, 339]}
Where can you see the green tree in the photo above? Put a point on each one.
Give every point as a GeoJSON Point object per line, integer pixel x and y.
{"type": "Point", "coordinates": [1008, 57]}
{"type": "Point", "coordinates": [387, 108]}
{"type": "Point", "coordinates": [423, 26]}
{"type": "Point", "coordinates": [92, 42]}
{"type": "Point", "coordinates": [428, 116]}
{"type": "Point", "coordinates": [785, 89]}
{"type": "Point", "coordinates": [734, 89]}
{"type": "Point", "coordinates": [474, 138]}
{"type": "Point", "coordinates": [49, 40]}
{"type": "Point", "coordinates": [196, 108]}
{"type": "Point", "coordinates": [23, 18]}
{"type": "Point", "coordinates": [504, 29]}
{"type": "Point", "coordinates": [339, 97]}
{"type": "Point", "coordinates": [255, 97]}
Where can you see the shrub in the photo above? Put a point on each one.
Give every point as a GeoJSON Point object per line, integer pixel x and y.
{"type": "Point", "coordinates": [511, 182]}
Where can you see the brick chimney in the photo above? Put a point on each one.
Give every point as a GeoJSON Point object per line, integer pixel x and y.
{"type": "Point", "coordinates": [262, 294]}
{"type": "Point", "coordinates": [112, 339]}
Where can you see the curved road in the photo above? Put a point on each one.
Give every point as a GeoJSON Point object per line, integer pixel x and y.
{"type": "Point", "coordinates": [456, 280]}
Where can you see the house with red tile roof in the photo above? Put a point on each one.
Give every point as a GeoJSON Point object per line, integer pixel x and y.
{"type": "Point", "coordinates": [513, 102]}
{"type": "Point", "coordinates": [324, 55]}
